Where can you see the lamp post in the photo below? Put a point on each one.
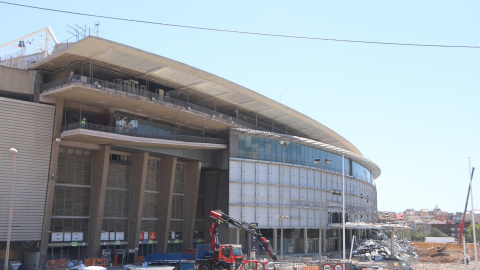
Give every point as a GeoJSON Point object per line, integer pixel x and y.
{"type": "Point", "coordinates": [343, 207]}
{"type": "Point", "coordinates": [10, 216]}
{"type": "Point", "coordinates": [281, 238]}
{"type": "Point", "coordinates": [320, 161]}
{"type": "Point", "coordinates": [283, 144]}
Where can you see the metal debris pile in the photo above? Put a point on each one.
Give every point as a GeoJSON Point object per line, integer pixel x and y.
{"type": "Point", "coordinates": [377, 248]}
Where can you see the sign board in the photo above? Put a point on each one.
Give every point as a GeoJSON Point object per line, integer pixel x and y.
{"type": "Point", "coordinates": [74, 244]}
{"type": "Point", "coordinates": [327, 267]}
{"type": "Point", "coordinates": [77, 236]}
{"type": "Point", "coordinates": [253, 240]}
{"type": "Point", "coordinates": [117, 243]}
{"type": "Point", "coordinates": [67, 237]}
{"type": "Point", "coordinates": [119, 236]}
{"type": "Point", "coordinates": [104, 236]}
{"type": "Point", "coordinates": [112, 236]}
{"type": "Point", "coordinates": [338, 267]}
{"type": "Point", "coordinates": [152, 236]}
{"type": "Point", "coordinates": [57, 237]}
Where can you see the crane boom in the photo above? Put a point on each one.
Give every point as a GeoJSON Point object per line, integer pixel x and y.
{"type": "Point", "coordinates": [219, 216]}
{"type": "Point", "coordinates": [462, 223]}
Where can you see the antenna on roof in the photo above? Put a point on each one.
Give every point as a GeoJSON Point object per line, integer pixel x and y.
{"type": "Point", "coordinates": [96, 28]}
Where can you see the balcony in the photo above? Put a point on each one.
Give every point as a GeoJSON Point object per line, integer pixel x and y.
{"type": "Point", "coordinates": [132, 132]}
{"type": "Point", "coordinates": [139, 92]}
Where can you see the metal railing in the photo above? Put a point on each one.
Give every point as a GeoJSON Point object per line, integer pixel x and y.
{"type": "Point", "coordinates": [139, 92]}
{"type": "Point", "coordinates": [133, 132]}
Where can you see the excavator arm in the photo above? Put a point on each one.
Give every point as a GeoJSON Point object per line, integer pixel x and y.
{"type": "Point", "coordinates": [219, 216]}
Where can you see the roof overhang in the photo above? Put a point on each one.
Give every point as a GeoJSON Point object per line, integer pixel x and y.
{"type": "Point", "coordinates": [135, 62]}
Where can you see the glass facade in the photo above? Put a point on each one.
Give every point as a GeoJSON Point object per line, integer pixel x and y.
{"type": "Point", "coordinates": [259, 148]}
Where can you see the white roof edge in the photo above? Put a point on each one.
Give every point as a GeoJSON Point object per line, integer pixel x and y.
{"type": "Point", "coordinates": [220, 81]}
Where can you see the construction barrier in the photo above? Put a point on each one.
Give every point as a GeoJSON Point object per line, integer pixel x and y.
{"type": "Point", "coordinates": [96, 262]}
{"type": "Point", "coordinates": [60, 263]}
{"type": "Point", "coordinates": [139, 259]}
{"type": "Point", "coordinates": [51, 264]}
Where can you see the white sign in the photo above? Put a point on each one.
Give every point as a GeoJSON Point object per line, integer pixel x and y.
{"type": "Point", "coordinates": [67, 237]}
{"type": "Point", "coordinates": [119, 236]}
{"type": "Point", "coordinates": [112, 236]}
{"type": "Point", "coordinates": [57, 237]}
{"type": "Point", "coordinates": [77, 236]}
{"type": "Point", "coordinates": [338, 267]}
{"type": "Point", "coordinates": [104, 236]}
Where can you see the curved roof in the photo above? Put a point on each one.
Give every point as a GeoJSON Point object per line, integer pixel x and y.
{"type": "Point", "coordinates": [123, 58]}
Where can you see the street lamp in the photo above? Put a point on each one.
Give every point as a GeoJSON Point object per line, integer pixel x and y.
{"type": "Point", "coordinates": [283, 144]}
{"type": "Point", "coordinates": [281, 238]}
{"type": "Point", "coordinates": [343, 207]}
{"type": "Point", "coordinates": [12, 189]}
{"type": "Point", "coordinates": [320, 161]}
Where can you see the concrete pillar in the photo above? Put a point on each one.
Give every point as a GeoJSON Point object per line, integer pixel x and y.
{"type": "Point", "coordinates": [59, 105]}
{"type": "Point", "coordinates": [339, 240]}
{"type": "Point", "coordinates": [137, 191]}
{"type": "Point", "coordinates": [237, 236]}
{"type": "Point", "coordinates": [100, 163]}
{"type": "Point", "coordinates": [305, 241]}
{"type": "Point", "coordinates": [211, 188]}
{"type": "Point", "coordinates": [190, 199]}
{"type": "Point", "coordinates": [167, 179]}
{"type": "Point", "coordinates": [392, 242]}
{"type": "Point", "coordinates": [275, 245]}
{"type": "Point", "coordinates": [350, 236]}
{"type": "Point", "coordinates": [324, 240]}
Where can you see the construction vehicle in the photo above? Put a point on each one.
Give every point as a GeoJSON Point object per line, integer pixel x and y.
{"type": "Point", "coordinates": [227, 256]}
{"type": "Point", "coordinates": [219, 217]}
{"type": "Point", "coordinates": [438, 251]}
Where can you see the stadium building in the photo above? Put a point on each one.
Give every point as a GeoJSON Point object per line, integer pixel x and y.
{"type": "Point", "coordinates": [121, 150]}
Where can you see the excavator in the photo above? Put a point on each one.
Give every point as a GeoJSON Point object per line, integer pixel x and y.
{"type": "Point", "coordinates": [438, 251]}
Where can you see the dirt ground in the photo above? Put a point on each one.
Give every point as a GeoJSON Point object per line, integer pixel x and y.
{"type": "Point", "coordinates": [448, 259]}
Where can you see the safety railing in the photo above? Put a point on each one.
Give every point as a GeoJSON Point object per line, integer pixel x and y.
{"type": "Point", "coordinates": [138, 91]}
{"type": "Point", "coordinates": [133, 132]}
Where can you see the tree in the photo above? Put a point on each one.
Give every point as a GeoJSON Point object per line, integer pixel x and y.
{"type": "Point", "coordinates": [469, 233]}
{"type": "Point", "coordinates": [417, 236]}
{"type": "Point", "coordinates": [435, 232]}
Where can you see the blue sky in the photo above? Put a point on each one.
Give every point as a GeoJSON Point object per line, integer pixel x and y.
{"type": "Point", "coordinates": [412, 110]}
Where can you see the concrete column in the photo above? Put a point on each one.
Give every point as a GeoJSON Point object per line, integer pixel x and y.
{"type": "Point", "coordinates": [237, 236]}
{"type": "Point", "coordinates": [324, 240]}
{"type": "Point", "coordinates": [137, 191]}
{"type": "Point", "coordinates": [100, 163]}
{"type": "Point", "coordinates": [167, 179]}
{"type": "Point", "coordinates": [339, 240]}
{"type": "Point", "coordinates": [59, 105]}
{"type": "Point", "coordinates": [350, 235]}
{"type": "Point", "coordinates": [305, 241]}
{"type": "Point", "coordinates": [275, 245]}
{"type": "Point", "coordinates": [190, 199]}
{"type": "Point", "coordinates": [211, 190]}
{"type": "Point", "coordinates": [392, 242]}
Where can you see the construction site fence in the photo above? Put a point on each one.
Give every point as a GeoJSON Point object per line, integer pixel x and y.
{"type": "Point", "coordinates": [291, 265]}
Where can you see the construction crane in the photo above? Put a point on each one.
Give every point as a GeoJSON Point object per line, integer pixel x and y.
{"type": "Point", "coordinates": [219, 217]}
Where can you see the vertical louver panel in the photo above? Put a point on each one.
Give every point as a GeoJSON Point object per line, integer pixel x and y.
{"type": "Point", "coordinates": [28, 127]}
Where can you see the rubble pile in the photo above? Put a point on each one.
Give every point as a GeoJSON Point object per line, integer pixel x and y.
{"type": "Point", "coordinates": [377, 248]}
